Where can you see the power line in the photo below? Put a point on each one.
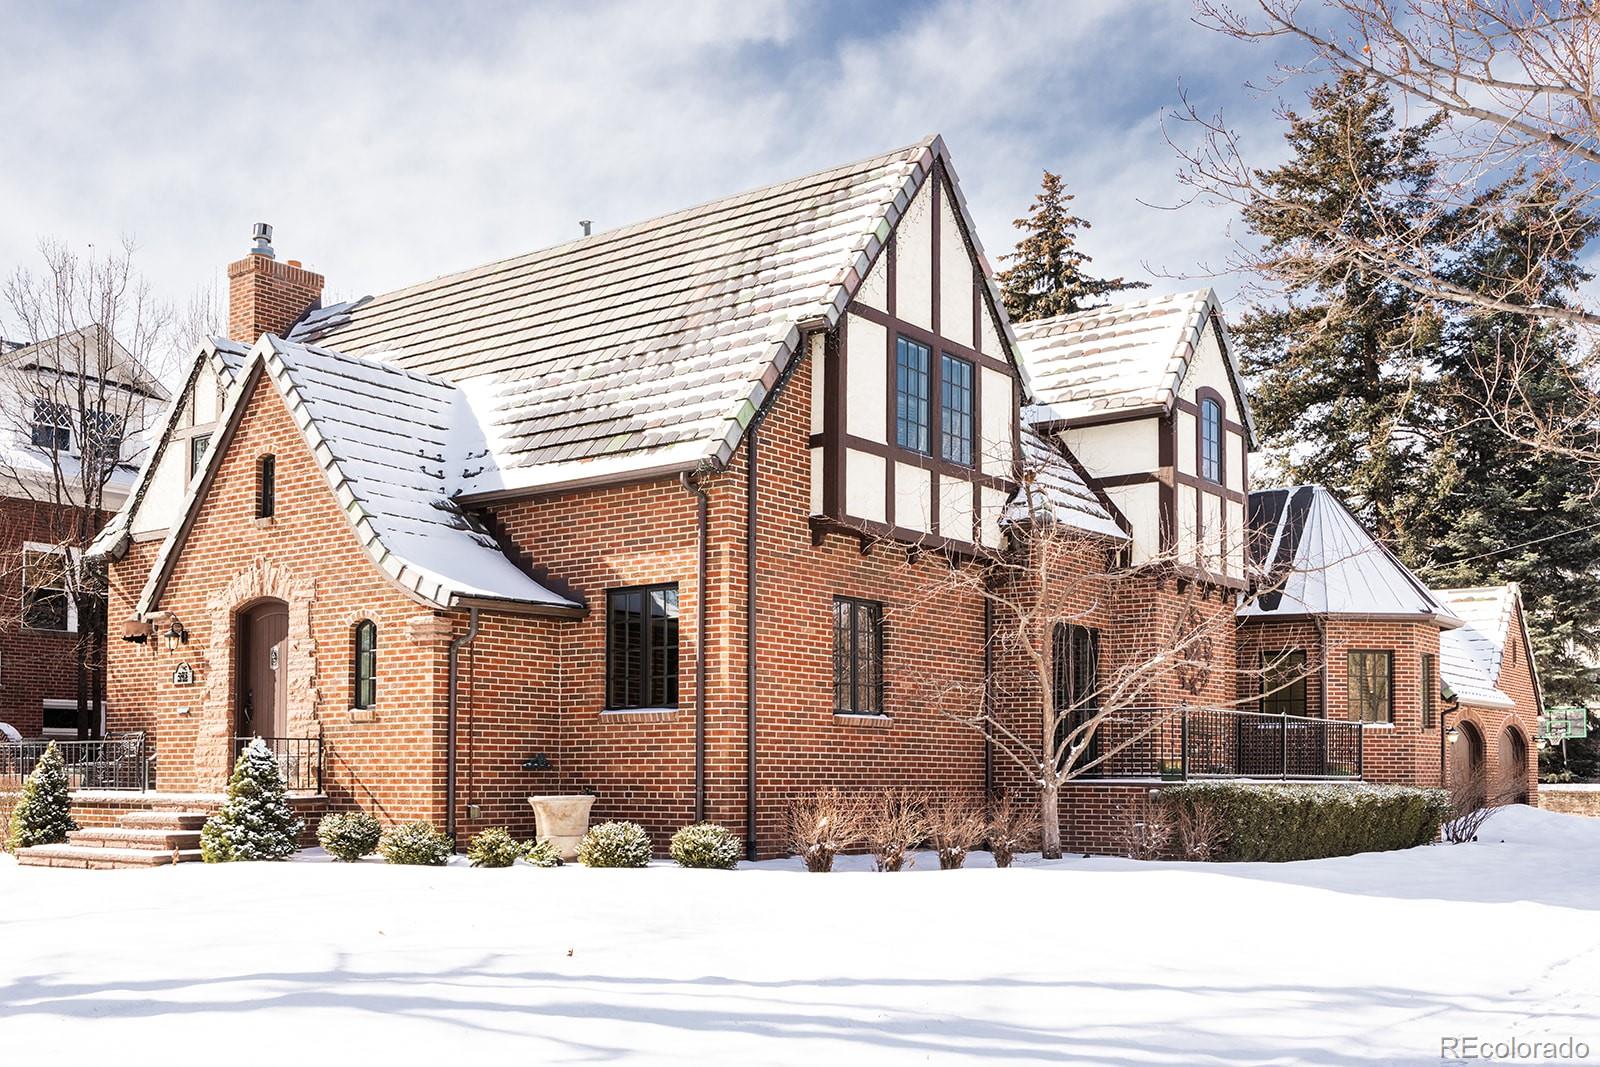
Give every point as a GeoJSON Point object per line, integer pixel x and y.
{"type": "Point", "coordinates": [1524, 544]}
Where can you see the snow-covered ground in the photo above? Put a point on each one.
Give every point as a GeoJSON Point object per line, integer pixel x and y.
{"type": "Point", "coordinates": [1366, 960]}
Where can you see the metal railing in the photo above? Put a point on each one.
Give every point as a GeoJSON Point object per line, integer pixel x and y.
{"type": "Point", "coordinates": [121, 762]}
{"type": "Point", "coordinates": [1180, 744]}
{"type": "Point", "coordinates": [299, 760]}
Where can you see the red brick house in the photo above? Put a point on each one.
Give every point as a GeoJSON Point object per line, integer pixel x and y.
{"type": "Point", "coordinates": [668, 514]}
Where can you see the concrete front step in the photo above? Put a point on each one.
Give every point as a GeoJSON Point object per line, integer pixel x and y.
{"type": "Point", "coordinates": [97, 858]}
{"type": "Point", "coordinates": [153, 837]}
{"type": "Point", "coordinates": [163, 820]}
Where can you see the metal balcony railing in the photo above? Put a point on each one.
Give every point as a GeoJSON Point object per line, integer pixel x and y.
{"type": "Point", "coordinates": [1181, 744]}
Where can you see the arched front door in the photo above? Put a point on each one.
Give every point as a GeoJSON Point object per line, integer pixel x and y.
{"type": "Point", "coordinates": [262, 703]}
{"type": "Point", "coordinates": [1513, 787]}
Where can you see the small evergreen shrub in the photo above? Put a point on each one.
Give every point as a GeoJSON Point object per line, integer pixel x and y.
{"type": "Point", "coordinates": [542, 854]}
{"type": "Point", "coordinates": [416, 844]}
{"type": "Point", "coordinates": [256, 821]}
{"type": "Point", "coordinates": [43, 812]}
{"type": "Point", "coordinates": [1276, 823]}
{"type": "Point", "coordinates": [493, 848]}
{"type": "Point", "coordinates": [615, 844]}
{"type": "Point", "coordinates": [349, 835]}
{"type": "Point", "coordinates": [706, 844]}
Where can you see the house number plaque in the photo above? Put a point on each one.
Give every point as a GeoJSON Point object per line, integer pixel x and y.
{"type": "Point", "coordinates": [183, 674]}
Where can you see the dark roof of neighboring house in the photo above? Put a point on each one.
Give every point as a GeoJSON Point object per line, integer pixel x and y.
{"type": "Point", "coordinates": [1315, 558]}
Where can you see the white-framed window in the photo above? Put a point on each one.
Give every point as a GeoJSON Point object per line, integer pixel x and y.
{"type": "Point", "coordinates": [46, 604]}
{"type": "Point", "coordinates": [52, 425]}
{"type": "Point", "coordinates": [59, 718]}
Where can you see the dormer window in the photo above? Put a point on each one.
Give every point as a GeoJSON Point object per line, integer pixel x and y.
{"type": "Point", "coordinates": [266, 487]}
{"type": "Point", "coordinates": [1210, 440]}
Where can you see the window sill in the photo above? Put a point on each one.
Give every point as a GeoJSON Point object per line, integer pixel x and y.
{"type": "Point", "coordinates": [363, 714]}
{"type": "Point", "coordinates": [863, 720]}
{"type": "Point", "coordinates": [263, 522]}
{"type": "Point", "coordinates": [44, 631]}
{"type": "Point", "coordinates": [1377, 726]}
{"type": "Point", "coordinates": [638, 714]}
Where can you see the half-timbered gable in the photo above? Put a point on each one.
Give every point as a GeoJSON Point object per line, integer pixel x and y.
{"type": "Point", "coordinates": [1147, 397]}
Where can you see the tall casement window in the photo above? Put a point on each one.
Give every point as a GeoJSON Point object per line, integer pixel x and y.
{"type": "Point", "coordinates": [1283, 682]}
{"type": "Point", "coordinates": [366, 686]}
{"type": "Point", "coordinates": [1430, 691]}
{"type": "Point", "coordinates": [266, 487]}
{"type": "Point", "coordinates": [642, 647]}
{"type": "Point", "coordinates": [912, 389]}
{"type": "Point", "coordinates": [199, 444]}
{"type": "Point", "coordinates": [1075, 679]}
{"type": "Point", "coordinates": [857, 656]}
{"type": "Point", "coordinates": [1210, 440]}
{"type": "Point", "coordinates": [45, 603]}
{"type": "Point", "coordinates": [52, 425]}
{"type": "Point", "coordinates": [955, 409]}
{"type": "Point", "coordinates": [1371, 683]}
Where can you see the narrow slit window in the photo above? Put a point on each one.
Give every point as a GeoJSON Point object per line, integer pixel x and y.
{"type": "Point", "coordinates": [267, 487]}
{"type": "Point", "coordinates": [911, 394]}
{"type": "Point", "coordinates": [366, 687]}
{"type": "Point", "coordinates": [199, 444]}
{"type": "Point", "coordinates": [1210, 440]}
{"type": "Point", "coordinates": [955, 410]}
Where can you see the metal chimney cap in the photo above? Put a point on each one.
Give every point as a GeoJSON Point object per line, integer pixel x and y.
{"type": "Point", "coordinates": [586, 223]}
{"type": "Point", "coordinates": [262, 236]}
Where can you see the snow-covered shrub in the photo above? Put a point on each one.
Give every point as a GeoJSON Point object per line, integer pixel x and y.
{"type": "Point", "coordinates": [956, 826]}
{"type": "Point", "coordinates": [43, 812]}
{"type": "Point", "coordinates": [615, 844]}
{"type": "Point", "coordinates": [542, 854]}
{"type": "Point", "coordinates": [705, 844]}
{"type": "Point", "coordinates": [825, 823]}
{"type": "Point", "coordinates": [416, 844]}
{"type": "Point", "coordinates": [256, 821]}
{"type": "Point", "coordinates": [1013, 827]}
{"type": "Point", "coordinates": [1298, 822]}
{"type": "Point", "coordinates": [493, 848]}
{"type": "Point", "coordinates": [349, 835]}
{"type": "Point", "coordinates": [896, 821]}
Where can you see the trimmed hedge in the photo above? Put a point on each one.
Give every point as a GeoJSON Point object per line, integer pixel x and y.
{"type": "Point", "coordinates": [349, 836]}
{"type": "Point", "coordinates": [416, 844]}
{"type": "Point", "coordinates": [1283, 822]}
{"type": "Point", "coordinates": [493, 847]}
{"type": "Point", "coordinates": [705, 844]}
{"type": "Point", "coordinates": [615, 844]}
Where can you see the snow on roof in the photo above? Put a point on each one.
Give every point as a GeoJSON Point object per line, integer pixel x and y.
{"type": "Point", "coordinates": [1469, 657]}
{"type": "Point", "coordinates": [1317, 559]}
{"type": "Point", "coordinates": [650, 347]}
{"type": "Point", "coordinates": [392, 444]}
{"type": "Point", "coordinates": [1121, 358]}
{"type": "Point", "coordinates": [1058, 487]}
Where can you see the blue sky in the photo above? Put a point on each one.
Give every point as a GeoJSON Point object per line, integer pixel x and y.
{"type": "Point", "coordinates": [391, 143]}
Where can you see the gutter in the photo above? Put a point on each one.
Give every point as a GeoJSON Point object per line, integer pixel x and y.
{"type": "Point", "coordinates": [692, 483]}
{"type": "Point", "coordinates": [456, 644]}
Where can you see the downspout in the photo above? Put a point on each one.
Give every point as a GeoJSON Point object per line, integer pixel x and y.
{"type": "Point", "coordinates": [691, 482]}
{"type": "Point", "coordinates": [988, 704]}
{"type": "Point", "coordinates": [456, 644]}
{"type": "Point", "coordinates": [750, 646]}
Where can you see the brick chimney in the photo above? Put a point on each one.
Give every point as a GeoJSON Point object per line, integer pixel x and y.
{"type": "Point", "coordinates": [266, 296]}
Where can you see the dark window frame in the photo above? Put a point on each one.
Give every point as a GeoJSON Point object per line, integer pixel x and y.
{"type": "Point", "coordinates": [1211, 440]}
{"type": "Point", "coordinates": [957, 415]}
{"type": "Point", "coordinates": [1280, 699]}
{"type": "Point", "coordinates": [651, 668]}
{"type": "Point", "coordinates": [913, 430]}
{"type": "Point", "coordinates": [51, 425]}
{"type": "Point", "coordinates": [196, 461]}
{"type": "Point", "coordinates": [1074, 692]}
{"type": "Point", "coordinates": [364, 688]}
{"type": "Point", "coordinates": [1356, 699]}
{"type": "Point", "coordinates": [853, 694]}
{"type": "Point", "coordinates": [266, 486]}
{"type": "Point", "coordinates": [52, 597]}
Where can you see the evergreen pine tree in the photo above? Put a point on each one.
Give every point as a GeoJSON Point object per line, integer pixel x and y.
{"type": "Point", "coordinates": [1047, 274]}
{"type": "Point", "coordinates": [1336, 367]}
{"type": "Point", "coordinates": [43, 815]}
{"type": "Point", "coordinates": [256, 821]}
{"type": "Point", "coordinates": [1494, 510]}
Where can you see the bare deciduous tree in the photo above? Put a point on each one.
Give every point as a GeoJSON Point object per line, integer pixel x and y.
{"type": "Point", "coordinates": [77, 396]}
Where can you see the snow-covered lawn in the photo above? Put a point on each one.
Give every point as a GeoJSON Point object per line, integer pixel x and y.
{"type": "Point", "coordinates": [1364, 960]}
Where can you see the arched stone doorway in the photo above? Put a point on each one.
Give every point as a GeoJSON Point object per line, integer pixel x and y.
{"type": "Point", "coordinates": [1513, 783]}
{"type": "Point", "coordinates": [1467, 759]}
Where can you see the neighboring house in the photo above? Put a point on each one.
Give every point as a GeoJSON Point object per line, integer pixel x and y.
{"type": "Point", "coordinates": [669, 515]}
{"type": "Point", "coordinates": [66, 398]}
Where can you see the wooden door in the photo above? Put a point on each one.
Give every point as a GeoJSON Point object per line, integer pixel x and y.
{"type": "Point", "coordinates": [264, 670]}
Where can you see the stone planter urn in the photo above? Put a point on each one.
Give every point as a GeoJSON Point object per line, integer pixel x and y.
{"type": "Point", "coordinates": [562, 820]}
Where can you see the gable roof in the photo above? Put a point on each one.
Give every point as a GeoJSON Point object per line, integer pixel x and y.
{"type": "Point", "coordinates": [1316, 558]}
{"type": "Point", "coordinates": [388, 440]}
{"type": "Point", "coordinates": [1470, 657]}
{"type": "Point", "coordinates": [1060, 489]}
{"type": "Point", "coordinates": [645, 349]}
{"type": "Point", "coordinates": [1120, 359]}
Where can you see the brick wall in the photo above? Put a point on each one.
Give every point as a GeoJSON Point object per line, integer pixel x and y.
{"type": "Point", "coordinates": [35, 665]}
